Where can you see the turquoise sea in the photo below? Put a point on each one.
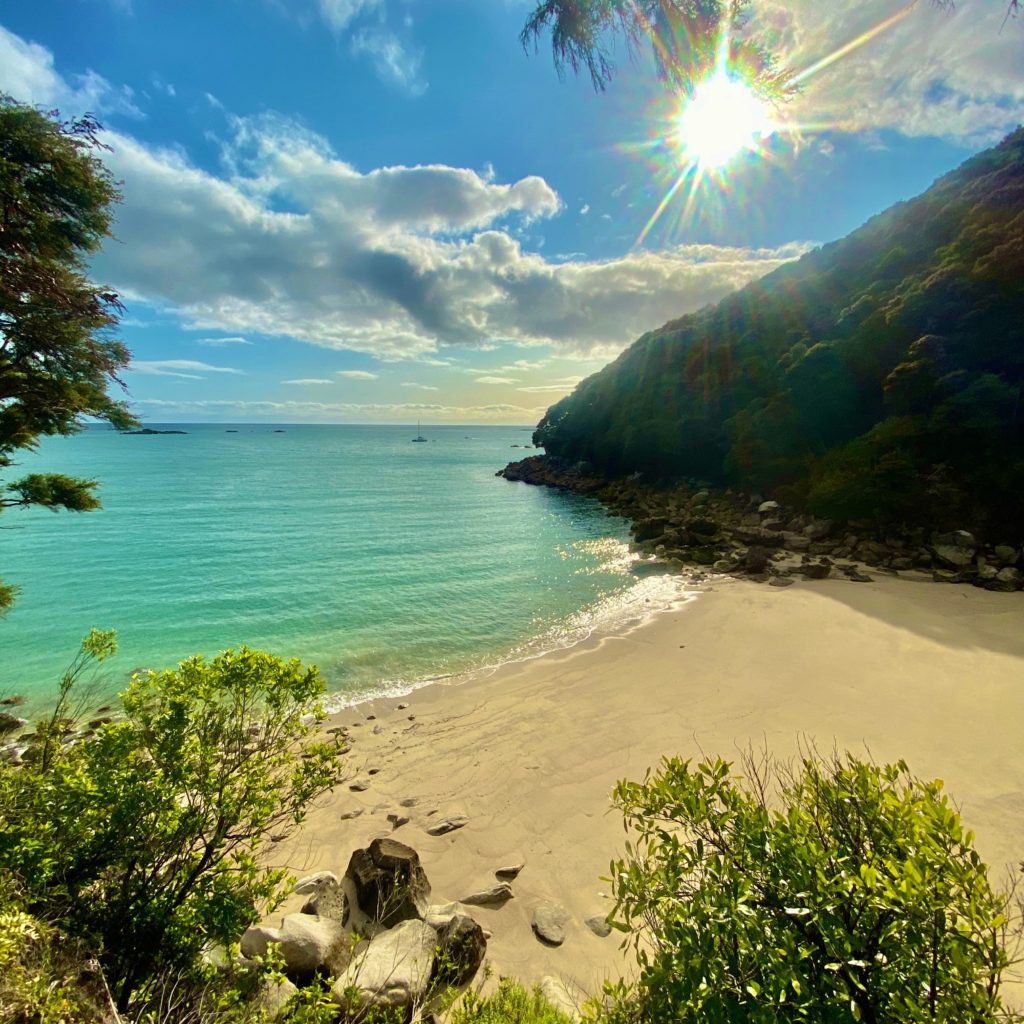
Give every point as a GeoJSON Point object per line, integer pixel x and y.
{"type": "Point", "coordinates": [384, 562]}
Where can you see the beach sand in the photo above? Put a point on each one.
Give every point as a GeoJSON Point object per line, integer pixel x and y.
{"type": "Point", "coordinates": [898, 669]}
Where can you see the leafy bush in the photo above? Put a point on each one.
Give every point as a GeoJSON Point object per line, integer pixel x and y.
{"type": "Point", "coordinates": [511, 1003]}
{"type": "Point", "coordinates": [142, 841]}
{"type": "Point", "coordinates": [833, 891]}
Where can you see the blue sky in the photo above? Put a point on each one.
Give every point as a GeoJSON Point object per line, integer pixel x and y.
{"type": "Point", "coordinates": [383, 210]}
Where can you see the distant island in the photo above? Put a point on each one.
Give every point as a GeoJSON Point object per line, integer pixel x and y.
{"type": "Point", "coordinates": [150, 430]}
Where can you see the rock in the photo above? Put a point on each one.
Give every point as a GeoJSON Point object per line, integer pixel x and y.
{"type": "Point", "coordinates": [796, 543]}
{"type": "Point", "coordinates": [349, 815]}
{"type": "Point", "coordinates": [390, 884]}
{"type": "Point", "coordinates": [461, 950]}
{"type": "Point", "coordinates": [819, 529]}
{"type": "Point", "coordinates": [952, 556]}
{"type": "Point", "coordinates": [650, 528]}
{"type": "Point", "coordinates": [446, 825]}
{"type": "Point", "coordinates": [14, 701]}
{"type": "Point", "coordinates": [1005, 555]}
{"type": "Point", "coordinates": [12, 754]}
{"type": "Point", "coordinates": [375, 770]}
{"type": "Point", "coordinates": [549, 922]}
{"type": "Point", "coordinates": [510, 871]}
{"type": "Point", "coordinates": [702, 527]}
{"type": "Point", "coordinates": [329, 900]}
{"type": "Point", "coordinates": [11, 723]}
{"type": "Point", "coordinates": [599, 926]}
{"type": "Point", "coordinates": [957, 538]}
{"type": "Point", "coordinates": [403, 706]}
{"type": "Point", "coordinates": [859, 577]}
{"type": "Point", "coordinates": [557, 994]}
{"type": "Point", "coordinates": [308, 944]}
{"type": "Point", "coordinates": [312, 882]}
{"type": "Point", "coordinates": [398, 820]}
{"type": "Point", "coordinates": [409, 801]}
{"type": "Point", "coordinates": [393, 970]}
{"type": "Point", "coordinates": [759, 538]}
{"type": "Point", "coordinates": [781, 581]}
{"type": "Point", "coordinates": [902, 564]}
{"type": "Point", "coordinates": [756, 559]}
{"type": "Point", "coordinates": [1009, 575]}
{"type": "Point", "coordinates": [438, 915]}
{"type": "Point", "coordinates": [767, 507]}
{"type": "Point", "coordinates": [359, 786]}
{"type": "Point", "coordinates": [987, 572]}
{"type": "Point", "coordinates": [275, 995]}
{"type": "Point", "coordinates": [485, 897]}
{"type": "Point", "coordinates": [378, 729]}
{"type": "Point", "coordinates": [815, 571]}
{"type": "Point", "coordinates": [726, 565]}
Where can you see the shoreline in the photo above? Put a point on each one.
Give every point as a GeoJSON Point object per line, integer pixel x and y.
{"type": "Point", "coordinates": [529, 752]}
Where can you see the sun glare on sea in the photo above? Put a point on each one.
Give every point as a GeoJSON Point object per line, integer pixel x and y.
{"type": "Point", "coordinates": [723, 118]}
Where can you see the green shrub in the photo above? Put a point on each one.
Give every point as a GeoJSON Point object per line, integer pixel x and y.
{"type": "Point", "coordinates": [511, 1003]}
{"type": "Point", "coordinates": [832, 891]}
{"type": "Point", "coordinates": [143, 841]}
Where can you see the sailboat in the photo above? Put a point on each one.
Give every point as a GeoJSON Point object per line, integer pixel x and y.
{"type": "Point", "coordinates": [419, 438]}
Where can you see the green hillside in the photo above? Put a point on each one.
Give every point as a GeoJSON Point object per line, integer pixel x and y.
{"type": "Point", "coordinates": [878, 377]}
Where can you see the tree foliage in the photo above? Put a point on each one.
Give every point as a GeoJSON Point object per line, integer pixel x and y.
{"type": "Point", "coordinates": [834, 891]}
{"type": "Point", "coordinates": [143, 841]}
{"type": "Point", "coordinates": [58, 357]}
{"type": "Point", "coordinates": [685, 38]}
{"type": "Point", "coordinates": [881, 376]}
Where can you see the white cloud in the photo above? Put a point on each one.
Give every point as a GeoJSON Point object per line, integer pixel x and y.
{"type": "Point", "coordinates": [187, 369]}
{"type": "Point", "coordinates": [339, 13]}
{"type": "Point", "coordinates": [950, 73]}
{"type": "Point", "coordinates": [357, 374]}
{"type": "Point", "coordinates": [395, 262]}
{"type": "Point", "coordinates": [220, 342]}
{"type": "Point", "coordinates": [488, 379]}
{"type": "Point", "coordinates": [28, 73]}
{"type": "Point", "coordinates": [422, 387]}
{"type": "Point", "coordinates": [308, 380]}
{"type": "Point", "coordinates": [564, 385]}
{"type": "Point", "coordinates": [584, 209]}
{"type": "Point", "coordinates": [393, 61]}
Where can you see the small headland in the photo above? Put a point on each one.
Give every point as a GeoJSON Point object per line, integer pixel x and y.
{"type": "Point", "coordinates": [689, 527]}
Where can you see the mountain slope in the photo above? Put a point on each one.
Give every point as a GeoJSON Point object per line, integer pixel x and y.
{"type": "Point", "coordinates": [877, 377]}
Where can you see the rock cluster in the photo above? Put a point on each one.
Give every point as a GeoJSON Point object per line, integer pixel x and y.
{"type": "Point", "coordinates": [374, 935]}
{"type": "Point", "coordinates": [744, 535]}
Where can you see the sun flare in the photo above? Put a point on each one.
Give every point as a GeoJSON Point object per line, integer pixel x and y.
{"type": "Point", "coordinates": [722, 119]}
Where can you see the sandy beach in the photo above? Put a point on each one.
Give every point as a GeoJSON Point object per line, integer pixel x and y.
{"type": "Point", "coordinates": [929, 673]}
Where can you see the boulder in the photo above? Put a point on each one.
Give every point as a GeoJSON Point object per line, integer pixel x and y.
{"type": "Point", "coordinates": [274, 997]}
{"type": "Point", "coordinates": [768, 507]}
{"type": "Point", "coordinates": [816, 571]}
{"type": "Point", "coordinates": [446, 825]}
{"type": "Point", "coordinates": [311, 883]}
{"type": "Point", "coordinates": [11, 723]}
{"type": "Point", "coordinates": [953, 556]}
{"type": "Point", "coordinates": [510, 871]}
{"type": "Point", "coordinates": [308, 944]}
{"type": "Point", "coordinates": [328, 900]}
{"type": "Point", "coordinates": [649, 528]}
{"type": "Point", "coordinates": [819, 529]}
{"type": "Point", "coordinates": [554, 990]}
{"type": "Point", "coordinates": [549, 923]}
{"type": "Point", "coordinates": [1005, 555]}
{"type": "Point", "coordinates": [794, 542]}
{"type": "Point", "coordinates": [726, 565]}
{"type": "Point", "coordinates": [439, 914]}
{"type": "Point", "coordinates": [461, 946]}
{"type": "Point", "coordinates": [391, 971]}
{"type": "Point", "coordinates": [702, 527]}
{"type": "Point", "coordinates": [389, 882]}
{"type": "Point", "coordinates": [781, 581]}
{"type": "Point", "coordinates": [486, 897]}
{"type": "Point", "coordinates": [956, 538]}
{"type": "Point", "coordinates": [599, 926]}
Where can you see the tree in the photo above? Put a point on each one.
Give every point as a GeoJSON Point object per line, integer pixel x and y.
{"type": "Point", "coordinates": [834, 890]}
{"type": "Point", "coordinates": [57, 354]}
{"type": "Point", "coordinates": [685, 37]}
{"type": "Point", "coordinates": [142, 841]}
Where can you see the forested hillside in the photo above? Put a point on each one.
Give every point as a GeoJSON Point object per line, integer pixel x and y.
{"type": "Point", "coordinates": [879, 377]}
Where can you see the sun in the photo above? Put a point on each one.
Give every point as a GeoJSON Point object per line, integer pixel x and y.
{"type": "Point", "coordinates": [723, 118]}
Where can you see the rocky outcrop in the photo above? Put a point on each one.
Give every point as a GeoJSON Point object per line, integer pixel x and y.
{"type": "Point", "coordinates": [696, 529]}
{"type": "Point", "coordinates": [308, 944]}
{"type": "Point", "coordinates": [389, 883]}
{"type": "Point", "coordinates": [392, 971]}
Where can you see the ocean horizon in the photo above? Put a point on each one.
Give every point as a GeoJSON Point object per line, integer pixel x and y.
{"type": "Point", "coordinates": [386, 563]}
